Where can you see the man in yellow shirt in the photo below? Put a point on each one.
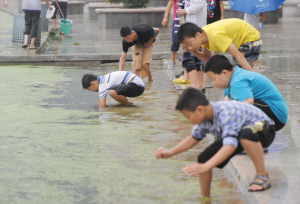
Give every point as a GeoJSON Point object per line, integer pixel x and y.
{"type": "Point", "coordinates": [233, 35]}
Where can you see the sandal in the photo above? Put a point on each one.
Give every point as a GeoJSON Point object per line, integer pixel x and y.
{"type": "Point", "coordinates": [265, 184]}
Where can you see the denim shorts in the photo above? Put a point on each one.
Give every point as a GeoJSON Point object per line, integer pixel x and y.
{"type": "Point", "coordinates": [128, 90]}
{"type": "Point", "coordinates": [250, 51]}
{"type": "Point", "coordinates": [190, 62]}
{"type": "Point", "coordinates": [175, 44]}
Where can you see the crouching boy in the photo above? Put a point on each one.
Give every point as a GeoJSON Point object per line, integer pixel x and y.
{"type": "Point", "coordinates": [118, 85]}
{"type": "Point", "coordinates": [236, 126]}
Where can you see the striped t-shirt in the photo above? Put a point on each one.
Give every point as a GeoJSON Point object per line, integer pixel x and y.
{"type": "Point", "coordinates": [116, 78]}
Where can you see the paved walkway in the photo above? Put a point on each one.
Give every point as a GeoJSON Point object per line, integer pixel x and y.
{"type": "Point", "coordinates": [280, 54]}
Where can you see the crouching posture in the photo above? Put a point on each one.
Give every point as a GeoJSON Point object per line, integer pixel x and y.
{"type": "Point", "coordinates": [118, 85]}
{"type": "Point", "coordinates": [236, 126]}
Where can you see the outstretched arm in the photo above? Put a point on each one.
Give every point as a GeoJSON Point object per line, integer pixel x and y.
{"type": "Point", "coordinates": [48, 4]}
{"type": "Point", "coordinates": [122, 61]}
{"type": "Point", "coordinates": [239, 57]}
{"type": "Point", "coordinates": [203, 56]}
{"type": "Point", "coordinates": [167, 13]}
{"type": "Point", "coordinates": [150, 41]}
{"type": "Point", "coordinates": [184, 145]}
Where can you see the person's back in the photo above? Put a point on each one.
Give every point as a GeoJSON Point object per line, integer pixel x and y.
{"type": "Point", "coordinates": [196, 12]}
{"type": "Point", "coordinates": [224, 32]}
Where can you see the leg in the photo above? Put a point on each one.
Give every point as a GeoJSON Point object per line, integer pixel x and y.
{"type": "Point", "coordinates": [137, 72]}
{"type": "Point", "coordinates": [137, 52]}
{"type": "Point", "coordinates": [54, 23]}
{"type": "Point", "coordinates": [34, 28]}
{"type": "Point", "coordinates": [32, 42]}
{"type": "Point", "coordinates": [54, 15]}
{"type": "Point", "coordinates": [205, 184]}
{"type": "Point", "coordinates": [121, 99]}
{"type": "Point", "coordinates": [26, 36]}
{"type": "Point", "coordinates": [196, 79]}
{"type": "Point", "coordinates": [255, 152]}
{"type": "Point", "coordinates": [28, 19]}
{"type": "Point", "coordinates": [146, 59]}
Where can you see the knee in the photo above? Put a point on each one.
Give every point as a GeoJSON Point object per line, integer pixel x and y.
{"type": "Point", "coordinates": [112, 93]}
{"type": "Point", "coordinates": [146, 65]}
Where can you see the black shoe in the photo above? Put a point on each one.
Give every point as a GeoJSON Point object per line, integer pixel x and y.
{"type": "Point", "coordinates": [179, 75]}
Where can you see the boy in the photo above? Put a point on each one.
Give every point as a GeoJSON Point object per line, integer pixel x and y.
{"type": "Point", "coordinates": [118, 85]}
{"type": "Point", "coordinates": [195, 11]}
{"type": "Point", "coordinates": [142, 38]}
{"type": "Point", "coordinates": [249, 87]}
{"type": "Point", "coordinates": [232, 35]}
{"type": "Point", "coordinates": [235, 125]}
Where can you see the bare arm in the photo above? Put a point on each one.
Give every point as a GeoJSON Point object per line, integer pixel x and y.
{"type": "Point", "coordinates": [184, 145]}
{"type": "Point", "coordinates": [222, 9]}
{"type": "Point", "coordinates": [249, 100]}
{"type": "Point", "coordinates": [239, 57]}
{"type": "Point", "coordinates": [262, 17]}
{"type": "Point", "coordinates": [203, 56]}
{"type": "Point", "coordinates": [122, 61]}
{"type": "Point", "coordinates": [150, 41]}
{"type": "Point", "coordinates": [48, 4]}
{"type": "Point", "coordinates": [218, 158]}
{"type": "Point", "coordinates": [102, 102]}
{"type": "Point", "coordinates": [226, 98]}
{"type": "Point", "coordinates": [167, 13]}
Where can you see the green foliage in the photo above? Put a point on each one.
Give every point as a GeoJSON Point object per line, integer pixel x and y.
{"type": "Point", "coordinates": [131, 3]}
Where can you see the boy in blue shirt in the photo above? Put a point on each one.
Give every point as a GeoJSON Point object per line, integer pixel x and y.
{"type": "Point", "coordinates": [249, 87]}
{"type": "Point", "coordinates": [236, 126]}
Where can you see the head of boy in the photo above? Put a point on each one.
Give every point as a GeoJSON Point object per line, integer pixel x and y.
{"type": "Point", "coordinates": [191, 36]}
{"type": "Point", "coordinates": [90, 82]}
{"type": "Point", "coordinates": [193, 104]}
{"type": "Point", "coordinates": [219, 70]}
{"type": "Point", "coordinates": [127, 34]}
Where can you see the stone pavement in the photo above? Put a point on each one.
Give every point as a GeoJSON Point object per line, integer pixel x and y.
{"type": "Point", "coordinates": [280, 54]}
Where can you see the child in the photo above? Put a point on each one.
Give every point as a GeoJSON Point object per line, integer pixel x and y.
{"type": "Point", "coordinates": [215, 10]}
{"type": "Point", "coordinates": [235, 125]}
{"type": "Point", "coordinates": [195, 11]}
{"type": "Point", "coordinates": [255, 20]}
{"type": "Point", "coordinates": [63, 5]}
{"type": "Point", "coordinates": [248, 87]}
{"type": "Point", "coordinates": [118, 85]}
{"type": "Point", "coordinates": [232, 35]}
{"type": "Point", "coordinates": [142, 38]}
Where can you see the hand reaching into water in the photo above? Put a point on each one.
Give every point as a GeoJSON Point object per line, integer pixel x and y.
{"type": "Point", "coordinates": [161, 153]}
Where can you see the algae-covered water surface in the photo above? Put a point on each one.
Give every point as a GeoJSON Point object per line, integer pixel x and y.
{"type": "Point", "coordinates": [58, 147]}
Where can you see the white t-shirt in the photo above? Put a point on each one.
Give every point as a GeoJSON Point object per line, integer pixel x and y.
{"type": "Point", "coordinates": [32, 5]}
{"type": "Point", "coordinates": [115, 78]}
{"type": "Point", "coordinates": [196, 11]}
{"type": "Point", "coordinates": [252, 20]}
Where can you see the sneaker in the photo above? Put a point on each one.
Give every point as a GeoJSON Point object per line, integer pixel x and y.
{"type": "Point", "coordinates": [171, 65]}
{"type": "Point", "coordinates": [181, 81]}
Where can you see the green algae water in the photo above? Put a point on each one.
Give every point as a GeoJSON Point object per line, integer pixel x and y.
{"type": "Point", "coordinates": [58, 147]}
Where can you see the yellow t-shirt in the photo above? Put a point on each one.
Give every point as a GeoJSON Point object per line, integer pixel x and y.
{"type": "Point", "coordinates": [224, 32]}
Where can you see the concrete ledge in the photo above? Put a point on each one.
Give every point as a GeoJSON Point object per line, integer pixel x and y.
{"type": "Point", "coordinates": [117, 18]}
{"type": "Point", "coordinates": [93, 6]}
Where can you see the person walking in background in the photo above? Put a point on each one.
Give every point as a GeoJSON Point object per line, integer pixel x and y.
{"type": "Point", "coordinates": [63, 4]}
{"type": "Point", "coordinates": [255, 21]}
{"type": "Point", "coordinates": [32, 10]}
{"type": "Point", "coordinates": [195, 11]}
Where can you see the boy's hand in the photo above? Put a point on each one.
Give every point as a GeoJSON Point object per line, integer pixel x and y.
{"type": "Point", "coordinates": [180, 12]}
{"type": "Point", "coordinates": [196, 168]}
{"type": "Point", "coordinates": [161, 153]}
{"type": "Point", "coordinates": [164, 22]}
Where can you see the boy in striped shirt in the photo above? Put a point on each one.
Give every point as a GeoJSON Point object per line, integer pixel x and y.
{"type": "Point", "coordinates": [118, 85]}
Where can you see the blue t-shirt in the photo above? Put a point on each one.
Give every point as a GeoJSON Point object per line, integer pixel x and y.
{"type": "Point", "coordinates": [229, 119]}
{"type": "Point", "coordinates": [246, 84]}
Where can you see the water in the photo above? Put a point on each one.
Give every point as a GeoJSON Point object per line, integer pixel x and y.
{"type": "Point", "coordinates": [58, 147]}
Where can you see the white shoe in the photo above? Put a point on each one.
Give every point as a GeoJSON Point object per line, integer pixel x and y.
{"type": "Point", "coordinates": [171, 65]}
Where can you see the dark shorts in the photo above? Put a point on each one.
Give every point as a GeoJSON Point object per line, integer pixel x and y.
{"type": "Point", "coordinates": [250, 51]}
{"type": "Point", "coordinates": [190, 62]}
{"type": "Point", "coordinates": [175, 44]}
{"type": "Point", "coordinates": [258, 132]}
{"type": "Point", "coordinates": [63, 6]}
{"type": "Point", "coordinates": [128, 90]}
{"type": "Point", "coordinates": [267, 110]}
{"type": "Point", "coordinates": [32, 23]}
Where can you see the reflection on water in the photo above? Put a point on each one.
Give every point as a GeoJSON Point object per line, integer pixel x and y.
{"type": "Point", "coordinates": [58, 147]}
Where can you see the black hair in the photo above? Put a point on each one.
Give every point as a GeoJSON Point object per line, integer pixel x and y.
{"type": "Point", "coordinates": [125, 31]}
{"type": "Point", "coordinates": [217, 63]}
{"type": "Point", "coordinates": [87, 79]}
{"type": "Point", "coordinates": [190, 99]}
{"type": "Point", "coordinates": [188, 30]}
